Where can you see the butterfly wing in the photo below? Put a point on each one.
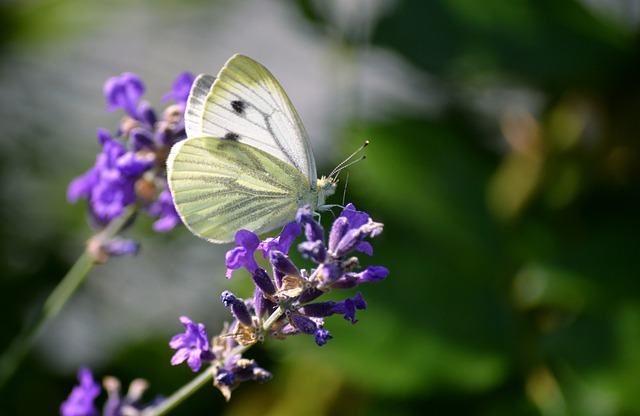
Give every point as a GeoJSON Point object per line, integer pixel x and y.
{"type": "Point", "coordinates": [220, 186]}
{"type": "Point", "coordinates": [245, 103]}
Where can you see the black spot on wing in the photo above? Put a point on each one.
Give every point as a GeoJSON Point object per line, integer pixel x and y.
{"type": "Point", "coordinates": [232, 136]}
{"type": "Point", "coordinates": [238, 106]}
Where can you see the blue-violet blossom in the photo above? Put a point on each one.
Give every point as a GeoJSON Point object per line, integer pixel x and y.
{"type": "Point", "coordinates": [192, 346]}
{"type": "Point", "coordinates": [130, 169]}
{"type": "Point", "coordinates": [283, 302]}
{"type": "Point", "coordinates": [82, 397]}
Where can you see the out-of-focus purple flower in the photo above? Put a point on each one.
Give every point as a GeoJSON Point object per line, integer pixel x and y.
{"type": "Point", "coordinates": [121, 247]}
{"type": "Point", "coordinates": [130, 168]}
{"type": "Point", "coordinates": [192, 346]}
{"type": "Point", "coordinates": [81, 400]}
{"type": "Point", "coordinates": [130, 165]}
{"type": "Point", "coordinates": [164, 209]}
{"type": "Point", "coordinates": [110, 197]}
{"type": "Point", "coordinates": [81, 186]}
{"type": "Point", "coordinates": [243, 254]}
{"type": "Point", "coordinates": [124, 91]}
{"type": "Point", "coordinates": [146, 114]}
{"type": "Point", "coordinates": [224, 377]}
{"type": "Point", "coordinates": [181, 89]}
{"type": "Point", "coordinates": [129, 404]}
{"type": "Point", "coordinates": [141, 139]}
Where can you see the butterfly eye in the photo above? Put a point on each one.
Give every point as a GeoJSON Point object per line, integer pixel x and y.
{"type": "Point", "coordinates": [238, 106]}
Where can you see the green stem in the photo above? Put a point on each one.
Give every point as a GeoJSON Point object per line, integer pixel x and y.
{"type": "Point", "coordinates": [74, 278]}
{"type": "Point", "coordinates": [190, 388]}
{"type": "Point", "coordinates": [21, 344]}
{"type": "Point", "coordinates": [185, 391]}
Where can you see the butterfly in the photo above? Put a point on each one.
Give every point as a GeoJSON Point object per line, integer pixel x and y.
{"type": "Point", "coordinates": [247, 162]}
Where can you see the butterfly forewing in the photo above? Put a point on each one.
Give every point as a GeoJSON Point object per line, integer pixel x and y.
{"type": "Point", "coordinates": [220, 186]}
{"type": "Point", "coordinates": [245, 103]}
{"type": "Point", "coordinates": [197, 97]}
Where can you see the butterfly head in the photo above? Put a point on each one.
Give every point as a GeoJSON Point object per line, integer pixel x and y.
{"type": "Point", "coordinates": [326, 186]}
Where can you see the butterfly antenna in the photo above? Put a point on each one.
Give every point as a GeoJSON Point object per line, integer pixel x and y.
{"type": "Point", "coordinates": [348, 162]}
{"type": "Point", "coordinates": [344, 193]}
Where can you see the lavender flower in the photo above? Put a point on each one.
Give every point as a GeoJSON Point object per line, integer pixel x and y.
{"type": "Point", "coordinates": [129, 170]}
{"type": "Point", "coordinates": [81, 399]}
{"type": "Point", "coordinates": [238, 307]}
{"type": "Point", "coordinates": [236, 370]}
{"type": "Point", "coordinates": [242, 255]}
{"type": "Point", "coordinates": [347, 308]}
{"type": "Point", "coordinates": [192, 346]}
{"type": "Point", "coordinates": [283, 302]}
{"type": "Point", "coordinates": [124, 92]}
{"type": "Point", "coordinates": [129, 404]}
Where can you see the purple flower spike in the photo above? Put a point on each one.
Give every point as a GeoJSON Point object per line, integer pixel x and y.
{"type": "Point", "coordinates": [312, 229]}
{"type": "Point", "coordinates": [303, 324]}
{"type": "Point", "coordinates": [356, 218]}
{"type": "Point", "coordinates": [224, 377]}
{"type": "Point", "coordinates": [304, 215]}
{"type": "Point", "coordinates": [146, 113]}
{"type": "Point", "coordinates": [264, 282]}
{"type": "Point", "coordinates": [132, 166]}
{"type": "Point", "coordinates": [192, 346]}
{"type": "Point", "coordinates": [238, 307]}
{"type": "Point", "coordinates": [81, 186]}
{"type": "Point", "coordinates": [282, 242]}
{"type": "Point", "coordinates": [121, 247]}
{"type": "Point", "coordinates": [308, 326]}
{"type": "Point", "coordinates": [282, 264]}
{"type": "Point", "coordinates": [353, 239]}
{"type": "Point", "coordinates": [372, 274]}
{"type": "Point", "coordinates": [181, 88]}
{"type": "Point", "coordinates": [141, 139]}
{"type": "Point", "coordinates": [338, 229]}
{"type": "Point", "coordinates": [347, 308]}
{"type": "Point", "coordinates": [242, 255]}
{"type": "Point", "coordinates": [314, 250]}
{"type": "Point", "coordinates": [110, 197]}
{"type": "Point", "coordinates": [80, 401]}
{"type": "Point", "coordinates": [124, 92]}
{"type": "Point", "coordinates": [103, 137]}
{"type": "Point", "coordinates": [163, 207]}
{"type": "Point", "coordinates": [321, 336]}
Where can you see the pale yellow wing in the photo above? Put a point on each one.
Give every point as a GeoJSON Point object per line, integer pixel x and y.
{"type": "Point", "coordinates": [247, 104]}
{"type": "Point", "coordinates": [220, 186]}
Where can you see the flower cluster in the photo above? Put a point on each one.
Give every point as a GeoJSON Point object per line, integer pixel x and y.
{"type": "Point", "coordinates": [130, 169]}
{"type": "Point", "coordinates": [284, 303]}
{"type": "Point", "coordinates": [81, 401]}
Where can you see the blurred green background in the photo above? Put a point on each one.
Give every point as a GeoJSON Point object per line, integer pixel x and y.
{"type": "Point", "coordinates": [503, 162]}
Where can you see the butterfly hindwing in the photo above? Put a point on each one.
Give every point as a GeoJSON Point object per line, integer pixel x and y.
{"type": "Point", "coordinates": [220, 186]}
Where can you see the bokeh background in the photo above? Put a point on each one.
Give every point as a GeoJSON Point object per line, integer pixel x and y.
{"type": "Point", "coordinates": [504, 162]}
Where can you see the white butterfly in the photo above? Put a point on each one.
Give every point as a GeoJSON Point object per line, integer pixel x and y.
{"type": "Point", "coordinates": [247, 162]}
